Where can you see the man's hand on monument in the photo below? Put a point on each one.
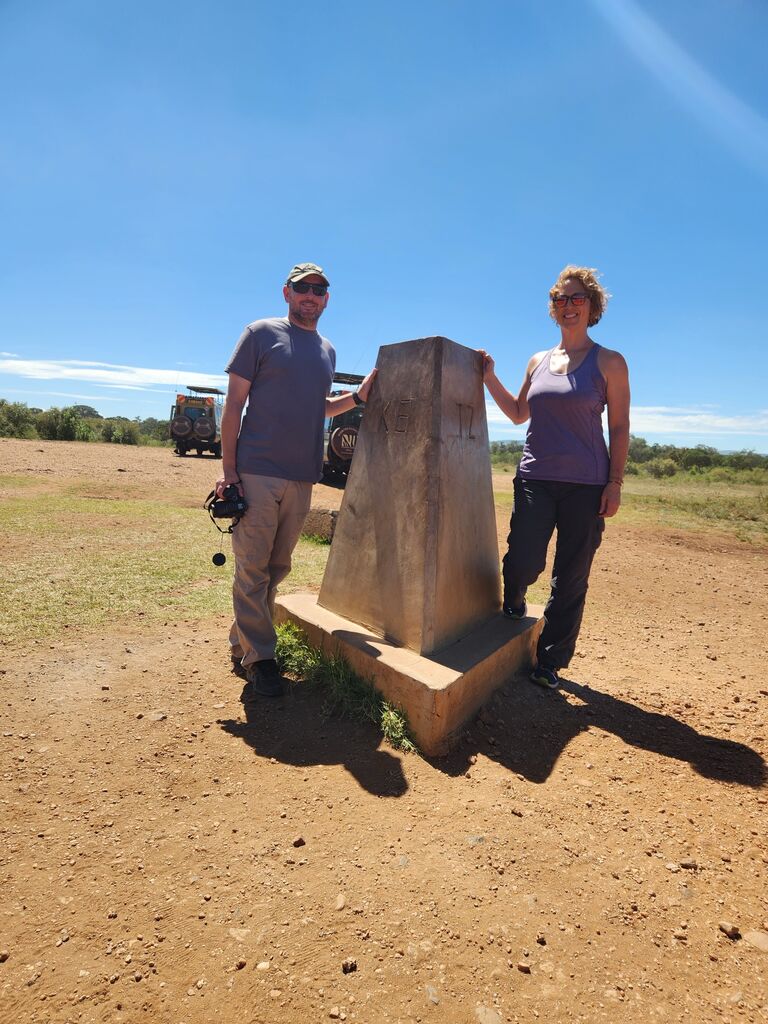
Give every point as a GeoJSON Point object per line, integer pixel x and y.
{"type": "Point", "coordinates": [227, 478]}
{"type": "Point", "coordinates": [489, 366]}
{"type": "Point", "coordinates": [365, 387]}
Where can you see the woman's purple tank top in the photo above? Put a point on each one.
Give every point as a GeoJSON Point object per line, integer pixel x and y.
{"type": "Point", "coordinates": [565, 439]}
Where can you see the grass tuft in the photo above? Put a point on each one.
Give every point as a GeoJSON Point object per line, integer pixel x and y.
{"type": "Point", "coordinates": [316, 538]}
{"type": "Point", "coordinates": [346, 693]}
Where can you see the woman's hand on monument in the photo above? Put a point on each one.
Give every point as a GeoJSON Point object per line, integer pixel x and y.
{"type": "Point", "coordinates": [489, 366]}
{"type": "Point", "coordinates": [365, 387]}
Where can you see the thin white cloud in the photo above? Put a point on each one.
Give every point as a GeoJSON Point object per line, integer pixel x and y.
{"type": "Point", "coordinates": [662, 420]}
{"type": "Point", "coordinates": [106, 374]}
{"type": "Point", "coordinates": [658, 419]}
{"type": "Point", "coordinates": [717, 109]}
{"type": "Point", "coordinates": [63, 394]}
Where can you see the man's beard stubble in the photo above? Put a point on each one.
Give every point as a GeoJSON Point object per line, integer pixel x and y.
{"type": "Point", "coordinates": [309, 322]}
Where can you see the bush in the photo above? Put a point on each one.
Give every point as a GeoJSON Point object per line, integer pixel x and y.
{"type": "Point", "coordinates": [125, 433]}
{"type": "Point", "coordinates": [48, 424]}
{"type": "Point", "coordinates": [661, 467]}
{"type": "Point", "coordinates": [17, 420]}
{"type": "Point", "coordinates": [84, 431]}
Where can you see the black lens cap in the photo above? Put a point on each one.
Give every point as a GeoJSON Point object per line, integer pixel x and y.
{"type": "Point", "coordinates": [219, 558]}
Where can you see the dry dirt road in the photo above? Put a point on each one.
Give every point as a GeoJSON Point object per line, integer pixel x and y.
{"type": "Point", "coordinates": [593, 854]}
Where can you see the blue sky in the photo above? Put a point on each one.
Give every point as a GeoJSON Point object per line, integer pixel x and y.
{"type": "Point", "coordinates": [162, 165]}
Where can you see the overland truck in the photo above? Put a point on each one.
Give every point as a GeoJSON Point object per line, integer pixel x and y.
{"type": "Point", "coordinates": [196, 421]}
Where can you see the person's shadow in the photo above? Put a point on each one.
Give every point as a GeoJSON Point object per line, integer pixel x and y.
{"type": "Point", "coordinates": [526, 729]}
{"type": "Point", "coordinates": [295, 729]}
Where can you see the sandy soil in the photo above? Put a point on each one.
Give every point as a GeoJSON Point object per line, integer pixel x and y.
{"type": "Point", "coordinates": [167, 858]}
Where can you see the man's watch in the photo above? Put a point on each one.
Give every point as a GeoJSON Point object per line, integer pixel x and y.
{"type": "Point", "coordinates": [357, 399]}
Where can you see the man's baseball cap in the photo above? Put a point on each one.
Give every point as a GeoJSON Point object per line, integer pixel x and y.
{"type": "Point", "coordinates": [302, 270]}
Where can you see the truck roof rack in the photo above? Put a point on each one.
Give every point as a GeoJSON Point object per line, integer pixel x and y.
{"type": "Point", "coordinates": [205, 391]}
{"type": "Point", "coordinates": [348, 378]}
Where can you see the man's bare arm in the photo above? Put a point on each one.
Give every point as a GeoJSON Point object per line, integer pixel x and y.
{"type": "Point", "coordinates": [237, 394]}
{"type": "Point", "coordinates": [343, 403]}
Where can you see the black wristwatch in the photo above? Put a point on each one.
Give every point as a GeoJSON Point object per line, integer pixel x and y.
{"type": "Point", "coordinates": [357, 399]}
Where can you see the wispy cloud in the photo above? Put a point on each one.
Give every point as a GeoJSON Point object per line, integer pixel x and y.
{"type": "Point", "coordinates": [718, 110]}
{"type": "Point", "coordinates": [659, 419]}
{"type": "Point", "coordinates": [665, 420]}
{"type": "Point", "coordinates": [64, 394]}
{"type": "Point", "coordinates": [8, 355]}
{"type": "Point", "coordinates": [106, 374]}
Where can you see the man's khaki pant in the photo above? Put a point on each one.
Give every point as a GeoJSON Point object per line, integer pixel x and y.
{"type": "Point", "coordinates": [262, 543]}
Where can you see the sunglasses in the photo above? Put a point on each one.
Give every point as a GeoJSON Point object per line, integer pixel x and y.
{"type": "Point", "coordinates": [561, 301]}
{"type": "Point", "coordinates": [301, 288]}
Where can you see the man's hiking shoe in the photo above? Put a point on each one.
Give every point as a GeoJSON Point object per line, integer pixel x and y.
{"type": "Point", "coordinates": [511, 612]}
{"type": "Point", "coordinates": [265, 678]}
{"type": "Point", "coordinates": [546, 677]}
{"type": "Point", "coordinates": [237, 667]}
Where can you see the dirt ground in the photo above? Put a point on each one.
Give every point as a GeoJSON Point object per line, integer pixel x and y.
{"type": "Point", "coordinates": [597, 853]}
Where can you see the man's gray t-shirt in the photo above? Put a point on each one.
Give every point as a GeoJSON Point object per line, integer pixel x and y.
{"type": "Point", "coordinates": [291, 371]}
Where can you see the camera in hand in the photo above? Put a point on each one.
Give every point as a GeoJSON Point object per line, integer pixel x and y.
{"type": "Point", "coordinates": [230, 505]}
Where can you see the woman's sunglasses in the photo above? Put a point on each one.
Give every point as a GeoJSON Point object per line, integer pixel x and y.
{"type": "Point", "coordinates": [561, 301]}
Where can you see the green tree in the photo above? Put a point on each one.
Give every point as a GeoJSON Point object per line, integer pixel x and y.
{"type": "Point", "coordinates": [48, 424]}
{"type": "Point", "coordinates": [16, 420]}
{"type": "Point", "coordinates": [86, 412]}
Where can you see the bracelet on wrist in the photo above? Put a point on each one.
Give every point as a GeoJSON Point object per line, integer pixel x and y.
{"type": "Point", "coordinates": [357, 399]}
{"type": "Point", "coordinates": [619, 482]}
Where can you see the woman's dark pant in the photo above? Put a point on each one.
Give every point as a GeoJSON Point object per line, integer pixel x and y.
{"type": "Point", "coordinates": [541, 506]}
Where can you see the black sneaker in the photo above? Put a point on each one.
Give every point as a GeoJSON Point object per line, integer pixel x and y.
{"type": "Point", "coordinates": [512, 612]}
{"type": "Point", "coordinates": [265, 678]}
{"type": "Point", "coordinates": [542, 675]}
{"type": "Point", "coordinates": [237, 667]}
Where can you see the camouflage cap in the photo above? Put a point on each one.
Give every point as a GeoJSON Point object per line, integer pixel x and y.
{"type": "Point", "coordinates": [302, 270]}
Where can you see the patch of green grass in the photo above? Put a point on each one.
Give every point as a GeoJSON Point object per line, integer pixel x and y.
{"type": "Point", "coordinates": [741, 510]}
{"type": "Point", "coordinates": [688, 503]}
{"type": "Point", "coordinates": [316, 538]}
{"type": "Point", "coordinates": [346, 692]}
{"type": "Point", "coordinates": [80, 562]}
{"type": "Point", "coordinates": [25, 482]}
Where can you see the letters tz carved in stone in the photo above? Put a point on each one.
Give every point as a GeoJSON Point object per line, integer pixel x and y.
{"type": "Point", "coordinates": [466, 414]}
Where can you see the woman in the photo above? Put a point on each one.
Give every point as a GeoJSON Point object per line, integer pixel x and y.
{"type": "Point", "coordinates": [567, 479]}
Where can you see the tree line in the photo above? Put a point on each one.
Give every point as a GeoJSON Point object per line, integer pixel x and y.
{"type": "Point", "coordinates": [84, 423]}
{"type": "Point", "coordinates": [656, 460]}
{"type": "Point", "coordinates": [78, 423]}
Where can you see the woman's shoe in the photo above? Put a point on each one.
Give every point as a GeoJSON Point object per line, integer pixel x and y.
{"type": "Point", "coordinates": [546, 677]}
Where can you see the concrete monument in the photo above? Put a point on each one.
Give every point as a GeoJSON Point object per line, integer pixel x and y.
{"type": "Point", "coordinates": [411, 592]}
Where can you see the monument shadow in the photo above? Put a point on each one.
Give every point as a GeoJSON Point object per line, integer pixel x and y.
{"type": "Point", "coordinates": [526, 729]}
{"type": "Point", "coordinates": [296, 729]}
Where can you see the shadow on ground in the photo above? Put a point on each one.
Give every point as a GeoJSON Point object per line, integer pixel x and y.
{"type": "Point", "coordinates": [526, 729]}
{"type": "Point", "coordinates": [295, 730]}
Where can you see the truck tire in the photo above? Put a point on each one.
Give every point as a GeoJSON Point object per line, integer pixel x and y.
{"type": "Point", "coordinates": [181, 427]}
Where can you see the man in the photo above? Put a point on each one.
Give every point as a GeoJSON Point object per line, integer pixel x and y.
{"type": "Point", "coordinates": [284, 369]}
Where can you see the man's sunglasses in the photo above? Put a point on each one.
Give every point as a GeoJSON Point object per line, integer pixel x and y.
{"type": "Point", "coordinates": [301, 288]}
{"type": "Point", "coordinates": [561, 301]}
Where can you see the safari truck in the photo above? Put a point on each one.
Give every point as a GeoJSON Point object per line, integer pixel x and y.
{"type": "Point", "coordinates": [341, 435]}
{"type": "Point", "coordinates": [196, 421]}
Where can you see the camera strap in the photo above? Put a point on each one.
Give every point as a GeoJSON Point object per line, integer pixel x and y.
{"type": "Point", "coordinates": [208, 506]}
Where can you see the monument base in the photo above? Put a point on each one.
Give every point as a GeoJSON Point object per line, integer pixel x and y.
{"type": "Point", "coordinates": [438, 692]}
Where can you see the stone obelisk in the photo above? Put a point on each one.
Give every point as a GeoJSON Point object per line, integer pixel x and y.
{"type": "Point", "coordinates": [411, 593]}
{"type": "Point", "coordinates": [415, 555]}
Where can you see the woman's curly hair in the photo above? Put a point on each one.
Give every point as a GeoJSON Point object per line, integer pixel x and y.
{"type": "Point", "coordinates": [598, 296]}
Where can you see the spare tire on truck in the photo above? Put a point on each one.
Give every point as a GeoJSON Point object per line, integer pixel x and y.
{"type": "Point", "coordinates": [195, 421]}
